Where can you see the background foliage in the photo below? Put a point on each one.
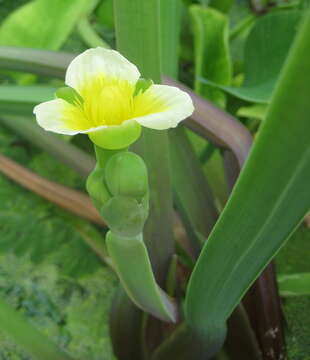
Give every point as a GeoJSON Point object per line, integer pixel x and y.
{"type": "Point", "coordinates": [67, 289]}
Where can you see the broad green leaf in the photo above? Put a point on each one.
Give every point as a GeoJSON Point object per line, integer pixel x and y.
{"type": "Point", "coordinates": [269, 200]}
{"type": "Point", "coordinates": [191, 190]}
{"type": "Point", "coordinates": [265, 51]}
{"type": "Point", "coordinates": [170, 20]}
{"type": "Point", "coordinates": [212, 59]}
{"type": "Point", "coordinates": [294, 284]}
{"type": "Point", "coordinates": [42, 23]}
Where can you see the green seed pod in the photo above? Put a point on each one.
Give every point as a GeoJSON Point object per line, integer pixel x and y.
{"type": "Point", "coordinates": [125, 216]}
{"type": "Point", "coordinates": [126, 175]}
{"type": "Point", "coordinates": [96, 187]}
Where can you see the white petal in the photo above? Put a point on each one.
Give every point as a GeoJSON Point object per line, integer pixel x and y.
{"type": "Point", "coordinates": [50, 116]}
{"type": "Point", "coordinates": [179, 107]}
{"type": "Point", "coordinates": [94, 62]}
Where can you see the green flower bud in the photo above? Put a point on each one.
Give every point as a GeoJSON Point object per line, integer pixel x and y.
{"type": "Point", "coordinates": [126, 175]}
{"type": "Point", "coordinates": [125, 216]}
{"type": "Point", "coordinates": [96, 187]}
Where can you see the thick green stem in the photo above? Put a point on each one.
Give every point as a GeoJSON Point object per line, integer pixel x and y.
{"type": "Point", "coordinates": [137, 30]}
{"type": "Point", "coordinates": [132, 264]}
{"type": "Point", "coordinates": [119, 188]}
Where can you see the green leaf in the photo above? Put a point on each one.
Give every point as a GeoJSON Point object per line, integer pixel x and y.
{"type": "Point", "coordinates": [212, 59]}
{"type": "Point", "coordinates": [138, 38]}
{"type": "Point", "coordinates": [132, 264]}
{"type": "Point", "coordinates": [269, 200]}
{"type": "Point", "coordinates": [294, 284]}
{"type": "Point", "coordinates": [221, 5]}
{"type": "Point", "coordinates": [170, 27]}
{"type": "Point", "coordinates": [42, 23]}
{"type": "Point", "coordinates": [266, 49]}
{"type": "Point", "coordinates": [193, 197]}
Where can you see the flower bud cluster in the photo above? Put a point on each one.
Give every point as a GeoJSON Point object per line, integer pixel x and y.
{"type": "Point", "coordinates": [119, 190]}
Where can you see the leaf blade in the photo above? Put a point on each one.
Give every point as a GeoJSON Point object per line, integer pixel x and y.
{"type": "Point", "coordinates": [251, 218]}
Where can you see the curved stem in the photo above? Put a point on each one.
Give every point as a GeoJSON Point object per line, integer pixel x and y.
{"type": "Point", "coordinates": [132, 264]}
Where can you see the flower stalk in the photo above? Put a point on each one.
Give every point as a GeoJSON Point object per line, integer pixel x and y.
{"type": "Point", "coordinates": [107, 99]}
{"type": "Point", "coordinates": [119, 189]}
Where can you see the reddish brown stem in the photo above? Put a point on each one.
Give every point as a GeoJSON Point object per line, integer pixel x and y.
{"type": "Point", "coordinates": [74, 201]}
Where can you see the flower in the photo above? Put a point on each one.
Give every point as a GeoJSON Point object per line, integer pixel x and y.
{"type": "Point", "coordinates": [105, 101]}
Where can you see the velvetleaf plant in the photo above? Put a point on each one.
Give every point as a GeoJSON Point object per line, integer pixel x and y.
{"type": "Point", "coordinates": [106, 99]}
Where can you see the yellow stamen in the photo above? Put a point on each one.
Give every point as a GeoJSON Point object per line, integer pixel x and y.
{"type": "Point", "coordinates": [109, 102]}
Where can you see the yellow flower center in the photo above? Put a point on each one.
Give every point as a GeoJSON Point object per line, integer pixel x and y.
{"type": "Point", "coordinates": [109, 102]}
